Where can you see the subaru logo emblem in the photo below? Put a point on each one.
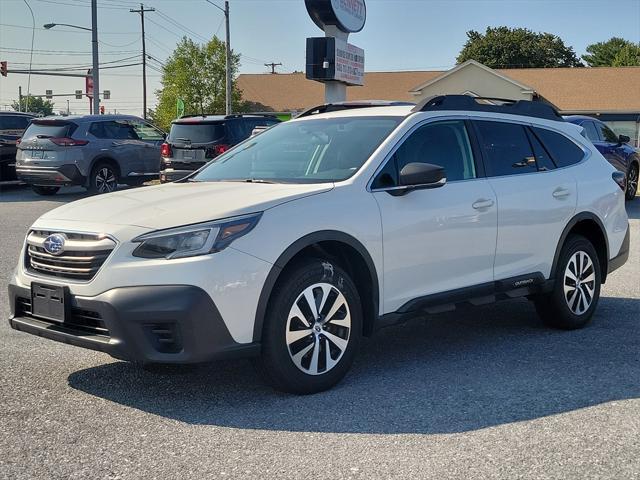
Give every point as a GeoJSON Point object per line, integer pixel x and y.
{"type": "Point", "coordinates": [54, 244]}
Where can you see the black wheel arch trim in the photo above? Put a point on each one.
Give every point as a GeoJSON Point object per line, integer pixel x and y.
{"type": "Point", "coordinates": [580, 217]}
{"type": "Point", "coordinates": [295, 248]}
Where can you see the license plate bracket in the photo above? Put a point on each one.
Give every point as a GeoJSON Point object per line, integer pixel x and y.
{"type": "Point", "coordinates": [49, 302]}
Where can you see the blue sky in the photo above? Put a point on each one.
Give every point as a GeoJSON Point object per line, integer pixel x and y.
{"type": "Point", "coordinates": [399, 35]}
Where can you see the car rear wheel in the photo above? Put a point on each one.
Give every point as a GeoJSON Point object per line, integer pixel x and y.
{"type": "Point", "coordinates": [44, 190]}
{"type": "Point", "coordinates": [312, 329]}
{"type": "Point", "coordinates": [632, 182]}
{"type": "Point", "coordinates": [576, 288]}
{"type": "Point", "coordinates": [104, 178]}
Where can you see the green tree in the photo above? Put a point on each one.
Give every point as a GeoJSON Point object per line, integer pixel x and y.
{"type": "Point", "coordinates": [628, 56]}
{"type": "Point", "coordinates": [603, 54]}
{"type": "Point", "coordinates": [196, 74]}
{"type": "Point", "coordinates": [504, 47]}
{"type": "Point", "coordinates": [36, 105]}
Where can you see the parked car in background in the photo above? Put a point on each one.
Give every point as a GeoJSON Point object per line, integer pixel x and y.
{"type": "Point", "coordinates": [195, 140]}
{"type": "Point", "coordinates": [614, 148]}
{"type": "Point", "coordinates": [95, 151]}
{"type": "Point", "coordinates": [12, 126]}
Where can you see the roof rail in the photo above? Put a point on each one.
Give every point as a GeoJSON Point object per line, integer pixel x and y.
{"type": "Point", "coordinates": [527, 108]}
{"type": "Point", "coordinates": [338, 106]}
{"type": "Point", "coordinates": [233, 115]}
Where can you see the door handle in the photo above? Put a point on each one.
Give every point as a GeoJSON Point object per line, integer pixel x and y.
{"type": "Point", "coordinates": [561, 192]}
{"type": "Point", "coordinates": [482, 203]}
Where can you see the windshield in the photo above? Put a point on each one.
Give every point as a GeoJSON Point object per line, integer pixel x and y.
{"type": "Point", "coordinates": [309, 151]}
{"type": "Point", "coordinates": [196, 132]}
{"type": "Point", "coordinates": [47, 129]}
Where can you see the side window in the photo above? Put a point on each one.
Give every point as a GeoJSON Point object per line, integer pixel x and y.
{"type": "Point", "coordinates": [146, 131]}
{"type": "Point", "coordinates": [607, 134]}
{"type": "Point", "coordinates": [562, 150]}
{"type": "Point", "coordinates": [441, 143]}
{"type": "Point", "coordinates": [543, 159]}
{"type": "Point", "coordinates": [113, 130]}
{"type": "Point", "coordinates": [590, 131]}
{"type": "Point", "coordinates": [507, 148]}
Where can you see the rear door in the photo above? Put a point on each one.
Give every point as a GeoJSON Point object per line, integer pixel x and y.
{"type": "Point", "coordinates": [118, 140]}
{"type": "Point", "coordinates": [152, 139]}
{"type": "Point", "coordinates": [536, 196]}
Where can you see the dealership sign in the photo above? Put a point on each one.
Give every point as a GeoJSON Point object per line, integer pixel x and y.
{"type": "Point", "coordinates": [348, 15]}
{"type": "Point", "coordinates": [332, 59]}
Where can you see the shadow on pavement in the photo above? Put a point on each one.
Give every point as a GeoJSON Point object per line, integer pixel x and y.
{"type": "Point", "coordinates": [453, 373]}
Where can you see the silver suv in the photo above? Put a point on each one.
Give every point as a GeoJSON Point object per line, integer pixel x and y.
{"type": "Point", "coordinates": [97, 152]}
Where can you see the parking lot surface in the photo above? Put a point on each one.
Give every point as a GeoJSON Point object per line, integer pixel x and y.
{"type": "Point", "coordinates": [487, 393]}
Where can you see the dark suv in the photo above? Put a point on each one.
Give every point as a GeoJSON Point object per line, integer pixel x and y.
{"type": "Point", "coordinates": [12, 126]}
{"type": "Point", "coordinates": [613, 147]}
{"type": "Point", "coordinates": [195, 140]}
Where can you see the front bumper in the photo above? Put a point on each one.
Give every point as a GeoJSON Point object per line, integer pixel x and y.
{"type": "Point", "coordinates": [145, 324]}
{"type": "Point", "coordinates": [51, 176]}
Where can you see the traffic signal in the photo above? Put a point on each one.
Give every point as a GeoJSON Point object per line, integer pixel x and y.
{"type": "Point", "coordinates": [101, 109]}
{"type": "Point", "coordinates": [3, 68]}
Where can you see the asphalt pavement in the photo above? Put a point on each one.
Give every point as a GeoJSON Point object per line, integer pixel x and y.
{"type": "Point", "coordinates": [484, 393]}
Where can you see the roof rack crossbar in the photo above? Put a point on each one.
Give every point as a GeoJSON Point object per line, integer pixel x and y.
{"type": "Point", "coordinates": [527, 108]}
{"type": "Point", "coordinates": [349, 105]}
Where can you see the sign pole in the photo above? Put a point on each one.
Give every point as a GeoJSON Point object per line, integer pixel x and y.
{"type": "Point", "coordinates": [335, 91]}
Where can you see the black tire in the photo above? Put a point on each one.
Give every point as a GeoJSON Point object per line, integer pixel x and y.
{"type": "Point", "coordinates": [632, 182]}
{"type": "Point", "coordinates": [44, 190]}
{"type": "Point", "coordinates": [104, 178]}
{"type": "Point", "coordinates": [277, 363]}
{"type": "Point", "coordinates": [554, 308]}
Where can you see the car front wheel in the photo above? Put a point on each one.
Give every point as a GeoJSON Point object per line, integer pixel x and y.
{"type": "Point", "coordinates": [632, 182]}
{"type": "Point", "coordinates": [576, 288]}
{"type": "Point", "coordinates": [312, 329]}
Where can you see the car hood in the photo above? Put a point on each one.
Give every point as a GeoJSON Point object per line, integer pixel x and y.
{"type": "Point", "coordinates": [176, 204]}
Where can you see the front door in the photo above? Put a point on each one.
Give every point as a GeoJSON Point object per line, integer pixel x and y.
{"type": "Point", "coordinates": [439, 239]}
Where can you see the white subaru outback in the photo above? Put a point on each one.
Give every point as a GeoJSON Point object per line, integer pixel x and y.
{"type": "Point", "coordinates": [299, 241]}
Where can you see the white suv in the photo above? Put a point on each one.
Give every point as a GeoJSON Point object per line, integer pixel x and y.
{"type": "Point", "coordinates": [301, 240]}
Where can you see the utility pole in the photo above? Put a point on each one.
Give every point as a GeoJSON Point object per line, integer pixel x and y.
{"type": "Point", "coordinates": [225, 10]}
{"type": "Point", "coordinates": [144, 58]}
{"type": "Point", "coordinates": [20, 98]}
{"type": "Point", "coordinates": [228, 62]}
{"type": "Point", "coordinates": [94, 48]}
{"type": "Point", "coordinates": [273, 66]}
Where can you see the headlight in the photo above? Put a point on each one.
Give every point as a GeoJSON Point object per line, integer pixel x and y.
{"type": "Point", "coordinates": [192, 240]}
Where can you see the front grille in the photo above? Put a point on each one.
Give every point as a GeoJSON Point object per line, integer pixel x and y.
{"type": "Point", "coordinates": [80, 321]}
{"type": "Point", "coordinates": [82, 257]}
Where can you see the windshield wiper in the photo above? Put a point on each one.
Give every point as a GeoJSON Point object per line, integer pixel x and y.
{"type": "Point", "coordinates": [44, 136]}
{"type": "Point", "coordinates": [257, 180]}
{"type": "Point", "coordinates": [184, 139]}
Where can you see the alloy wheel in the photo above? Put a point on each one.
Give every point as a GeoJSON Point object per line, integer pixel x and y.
{"type": "Point", "coordinates": [632, 182]}
{"type": "Point", "coordinates": [105, 180]}
{"type": "Point", "coordinates": [579, 282]}
{"type": "Point", "coordinates": [318, 328]}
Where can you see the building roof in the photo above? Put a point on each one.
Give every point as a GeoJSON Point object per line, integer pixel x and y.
{"type": "Point", "coordinates": [602, 89]}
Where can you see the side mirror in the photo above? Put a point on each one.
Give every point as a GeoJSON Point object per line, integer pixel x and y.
{"type": "Point", "coordinates": [623, 139]}
{"type": "Point", "coordinates": [415, 176]}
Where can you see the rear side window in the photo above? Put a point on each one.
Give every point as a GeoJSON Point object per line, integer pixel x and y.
{"type": "Point", "coordinates": [590, 131]}
{"type": "Point", "coordinates": [113, 130]}
{"type": "Point", "coordinates": [506, 147]}
{"type": "Point", "coordinates": [49, 129]}
{"type": "Point", "coordinates": [13, 124]}
{"type": "Point", "coordinates": [196, 132]}
{"type": "Point", "coordinates": [562, 150]}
